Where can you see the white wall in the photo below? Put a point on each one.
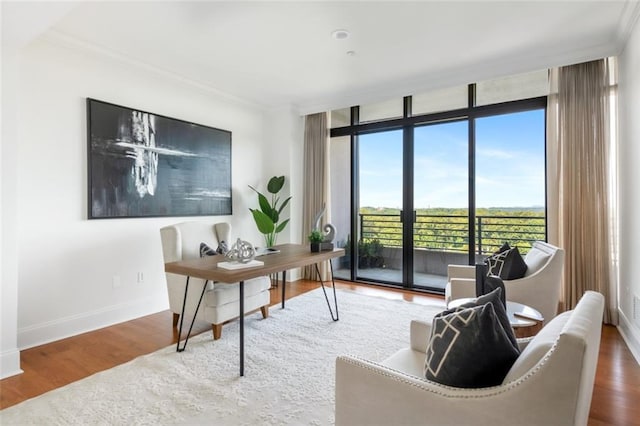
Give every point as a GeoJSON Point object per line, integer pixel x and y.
{"type": "Point", "coordinates": [67, 263]}
{"type": "Point", "coordinates": [629, 176]}
{"type": "Point", "coordinates": [284, 128]}
{"type": "Point", "coordinates": [9, 355]}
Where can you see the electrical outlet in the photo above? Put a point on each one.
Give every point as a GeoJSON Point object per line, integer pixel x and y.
{"type": "Point", "coordinates": [140, 277]}
{"type": "Point", "coordinates": [116, 281]}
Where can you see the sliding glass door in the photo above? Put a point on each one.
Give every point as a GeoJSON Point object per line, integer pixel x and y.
{"type": "Point", "coordinates": [440, 200]}
{"type": "Point", "coordinates": [406, 237]}
{"type": "Point", "coordinates": [380, 198]}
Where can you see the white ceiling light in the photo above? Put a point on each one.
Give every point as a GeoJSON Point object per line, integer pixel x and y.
{"type": "Point", "coordinates": [340, 34]}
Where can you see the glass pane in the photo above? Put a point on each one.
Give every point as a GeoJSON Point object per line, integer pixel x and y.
{"type": "Point", "coordinates": [515, 87]}
{"type": "Point", "coordinates": [340, 118]}
{"type": "Point", "coordinates": [382, 110]}
{"type": "Point", "coordinates": [441, 226]}
{"type": "Point", "coordinates": [439, 100]}
{"type": "Point", "coordinates": [380, 231]}
{"type": "Point", "coordinates": [340, 190]}
{"type": "Point", "coordinates": [510, 181]}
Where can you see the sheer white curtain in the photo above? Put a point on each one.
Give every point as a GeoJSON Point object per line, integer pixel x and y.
{"type": "Point", "coordinates": [316, 175]}
{"type": "Point", "coordinates": [582, 175]}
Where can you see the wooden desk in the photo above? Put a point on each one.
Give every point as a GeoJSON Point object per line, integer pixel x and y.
{"type": "Point", "coordinates": [291, 256]}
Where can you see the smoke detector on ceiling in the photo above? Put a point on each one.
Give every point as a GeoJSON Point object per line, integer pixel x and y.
{"type": "Point", "coordinates": [340, 34]}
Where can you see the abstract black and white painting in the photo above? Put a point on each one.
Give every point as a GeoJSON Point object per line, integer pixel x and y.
{"type": "Point", "coordinates": [148, 165]}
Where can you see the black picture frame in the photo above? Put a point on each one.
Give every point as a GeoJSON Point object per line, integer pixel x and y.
{"type": "Point", "coordinates": [142, 164]}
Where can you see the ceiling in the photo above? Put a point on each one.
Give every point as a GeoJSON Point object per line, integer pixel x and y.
{"type": "Point", "coordinates": [282, 54]}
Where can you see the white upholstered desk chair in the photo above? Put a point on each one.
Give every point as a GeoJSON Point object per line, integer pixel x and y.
{"type": "Point", "coordinates": [221, 301]}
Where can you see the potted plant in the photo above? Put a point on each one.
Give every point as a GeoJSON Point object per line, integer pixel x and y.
{"type": "Point", "coordinates": [370, 253]}
{"type": "Point", "coordinates": [268, 218]}
{"type": "Point", "coordinates": [315, 238]}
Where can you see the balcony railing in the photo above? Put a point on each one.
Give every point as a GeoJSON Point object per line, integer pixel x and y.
{"type": "Point", "coordinates": [450, 232]}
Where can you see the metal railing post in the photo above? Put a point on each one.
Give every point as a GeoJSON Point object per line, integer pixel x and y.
{"type": "Point", "coordinates": [479, 235]}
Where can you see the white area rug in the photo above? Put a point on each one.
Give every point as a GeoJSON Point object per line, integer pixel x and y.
{"type": "Point", "coordinates": [289, 370]}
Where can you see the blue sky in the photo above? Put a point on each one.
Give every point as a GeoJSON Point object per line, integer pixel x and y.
{"type": "Point", "coordinates": [509, 164]}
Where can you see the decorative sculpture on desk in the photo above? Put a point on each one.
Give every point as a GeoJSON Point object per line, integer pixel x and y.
{"type": "Point", "coordinates": [241, 252]}
{"type": "Point", "coordinates": [328, 229]}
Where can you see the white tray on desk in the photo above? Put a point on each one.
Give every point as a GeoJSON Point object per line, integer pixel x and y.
{"type": "Point", "coordinates": [237, 265]}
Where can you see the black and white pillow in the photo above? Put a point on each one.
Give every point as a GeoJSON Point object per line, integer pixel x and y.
{"type": "Point", "coordinates": [469, 348]}
{"type": "Point", "coordinates": [497, 300]}
{"type": "Point", "coordinates": [205, 250]}
{"type": "Point", "coordinates": [506, 263]}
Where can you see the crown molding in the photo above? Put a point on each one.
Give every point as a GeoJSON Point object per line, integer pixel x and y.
{"type": "Point", "coordinates": [66, 41]}
{"type": "Point", "coordinates": [628, 20]}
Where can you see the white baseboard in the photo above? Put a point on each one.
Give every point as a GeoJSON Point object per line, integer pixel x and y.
{"type": "Point", "coordinates": [10, 363]}
{"type": "Point", "coordinates": [630, 334]}
{"type": "Point", "coordinates": [62, 328]}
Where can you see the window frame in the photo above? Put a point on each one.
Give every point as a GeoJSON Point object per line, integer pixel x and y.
{"type": "Point", "coordinates": [408, 123]}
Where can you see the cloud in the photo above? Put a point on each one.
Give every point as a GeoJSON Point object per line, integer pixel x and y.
{"type": "Point", "coordinates": [495, 153]}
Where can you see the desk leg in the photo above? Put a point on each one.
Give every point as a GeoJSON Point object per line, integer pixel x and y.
{"type": "Point", "coordinates": [241, 328]}
{"type": "Point", "coordinates": [284, 284]}
{"type": "Point", "coordinates": [335, 299]}
{"type": "Point", "coordinates": [184, 303]}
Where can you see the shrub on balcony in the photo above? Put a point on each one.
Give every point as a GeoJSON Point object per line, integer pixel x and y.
{"type": "Point", "coordinates": [370, 253]}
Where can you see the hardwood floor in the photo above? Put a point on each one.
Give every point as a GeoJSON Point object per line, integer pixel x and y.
{"type": "Point", "coordinates": [616, 396]}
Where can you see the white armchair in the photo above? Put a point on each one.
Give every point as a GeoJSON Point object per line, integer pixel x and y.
{"type": "Point", "coordinates": [221, 301]}
{"type": "Point", "coordinates": [551, 382]}
{"type": "Point", "coordinates": [539, 288]}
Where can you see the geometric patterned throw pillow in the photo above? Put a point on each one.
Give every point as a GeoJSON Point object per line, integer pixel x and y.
{"type": "Point", "coordinates": [495, 298]}
{"type": "Point", "coordinates": [205, 250]}
{"type": "Point", "coordinates": [469, 349]}
{"type": "Point", "coordinates": [507, 264]}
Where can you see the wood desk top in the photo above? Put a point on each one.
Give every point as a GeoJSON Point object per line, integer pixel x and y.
{"type": "Point", "coordinates": [291, 256]}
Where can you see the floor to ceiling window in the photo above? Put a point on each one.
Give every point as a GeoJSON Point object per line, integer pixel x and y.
{"type": "Point", "coordinates": [510, 180]}
{"type": "Point", "coordinates": [440, 178]}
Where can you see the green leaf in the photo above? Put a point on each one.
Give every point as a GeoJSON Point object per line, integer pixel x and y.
{"type": "Point", "coordinates": [275, 216]}
{"type": "Point", "coordinates": [281, 226]}
{"type": "Point", "coordinates": [263, 222]}
{"type": "Point", "coordinates": [284, 204]}
{"type": "Point", "coordinates": [275, 184]}
{"type": "Point", "coordinates": [264, 205]}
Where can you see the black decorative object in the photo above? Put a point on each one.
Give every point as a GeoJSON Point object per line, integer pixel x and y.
{"type": "Point", "coordinates": [487, 283]}
{"type": "Point", "coordinates": [148, 165]}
